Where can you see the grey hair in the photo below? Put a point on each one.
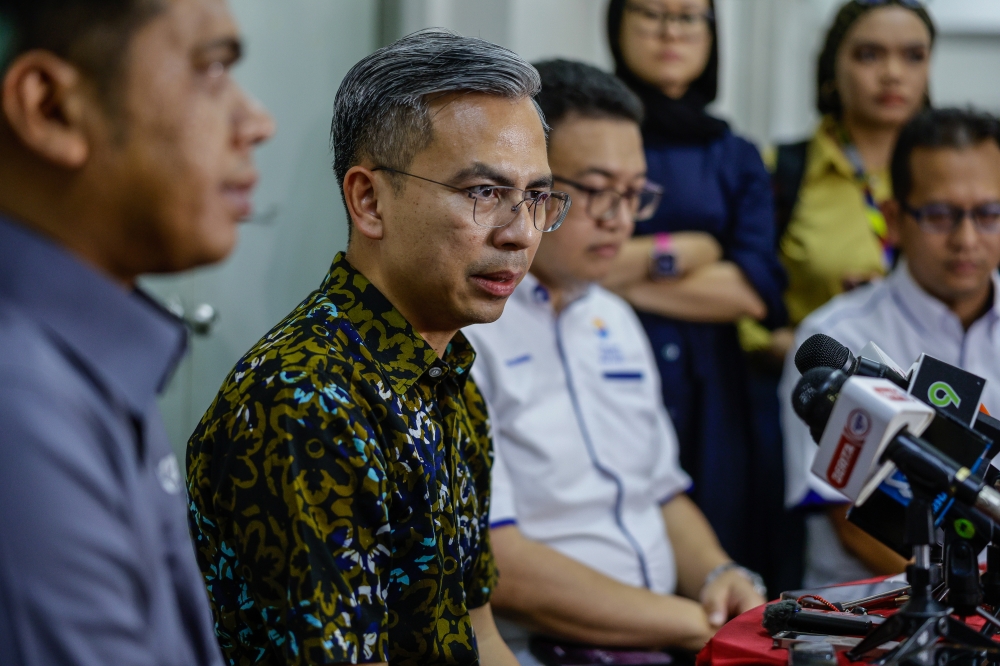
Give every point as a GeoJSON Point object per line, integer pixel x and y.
{"type": "Point", "coordinates": [381, 109]}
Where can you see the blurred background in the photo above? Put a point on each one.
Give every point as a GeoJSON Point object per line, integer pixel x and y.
{"type": "Point", "coordinates": [298, 51]}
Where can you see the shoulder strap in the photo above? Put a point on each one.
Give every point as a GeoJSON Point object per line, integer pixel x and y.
{"type": "Point", "coordinates": [789, 170]}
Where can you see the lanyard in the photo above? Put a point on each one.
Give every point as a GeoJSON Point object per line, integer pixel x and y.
{"type": "Point", "coordinates": [876, 220]}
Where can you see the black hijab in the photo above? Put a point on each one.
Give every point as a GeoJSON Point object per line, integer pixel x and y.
{"type": "Point", "coordinates": [671, 120]}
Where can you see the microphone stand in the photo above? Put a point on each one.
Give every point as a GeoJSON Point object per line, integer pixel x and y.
{"type": "Point", "coordinates": [923, 620]}
{"type": "Point", "coordinates": [991, 595]}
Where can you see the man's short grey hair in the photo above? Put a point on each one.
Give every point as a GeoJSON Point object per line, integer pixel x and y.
{"type": "Point", "coordinates": [381, 109]}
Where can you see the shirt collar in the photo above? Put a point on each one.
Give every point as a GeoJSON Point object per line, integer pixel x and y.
{"type": "Point", "coordinates": [531, 291]}
{"type": "Point", "coordinates": [400, 351]}
{"type": "Point", "coordinates": [826, 152]}
{"type": "Point", "coordinates": [128, 342]}
{"type": "Point", "coordinates": [926, 309]}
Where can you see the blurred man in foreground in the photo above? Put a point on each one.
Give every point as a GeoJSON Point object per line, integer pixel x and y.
{"type": "Point", "coordinates": [340, 482]}
{"type": "Point", "coordinates": [595, 537]}
{"type": "Point", "coordinates": [125, 148]}
{"type": "Point", "coordinates": [941, 299]}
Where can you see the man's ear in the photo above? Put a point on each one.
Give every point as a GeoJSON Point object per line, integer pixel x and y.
{"type": "Point", "coordinates": [43, 104]}
{"type": "Point", "coordinates": [893, 221]}
{"type": "Point", "coordinates": [361, 191]}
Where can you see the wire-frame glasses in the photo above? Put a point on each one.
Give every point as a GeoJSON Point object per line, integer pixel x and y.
{"type": "Point", "coordinates": [498, 205]}
{"type": "Point", "coordinates": [603, 204]}
{"type": "Point", "coordinates": [943, 218]}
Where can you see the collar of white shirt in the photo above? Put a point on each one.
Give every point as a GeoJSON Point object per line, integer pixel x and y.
{"type": "Point", "coordinates": [927, 311]}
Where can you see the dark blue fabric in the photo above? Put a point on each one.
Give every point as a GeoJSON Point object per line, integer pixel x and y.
{"type": "Point", "coordinates": [96, 562]}
{"type": "Point", "coordinates": [721, 188]}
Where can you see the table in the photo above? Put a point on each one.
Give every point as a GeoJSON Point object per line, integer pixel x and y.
{"type": "Point", "coordinates": [743, 642]}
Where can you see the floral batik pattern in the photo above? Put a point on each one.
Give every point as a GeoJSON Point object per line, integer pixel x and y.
{"type": "Point", "coordinates": [339, 489]}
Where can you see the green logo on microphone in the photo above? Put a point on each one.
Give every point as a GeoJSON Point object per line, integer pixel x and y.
{"type": "Point", "coordinates": [943, 395]}
{"type": "Point", "coordinates": [964, 528]}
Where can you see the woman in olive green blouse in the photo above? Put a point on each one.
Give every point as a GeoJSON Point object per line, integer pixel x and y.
{"type": "Point", "coordinates": [872, 78]}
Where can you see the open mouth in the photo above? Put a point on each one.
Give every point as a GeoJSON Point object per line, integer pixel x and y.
{"type": "Point", "coordinates": [500, 283]}
{"type": "Point", "coordinates": [239, 196]}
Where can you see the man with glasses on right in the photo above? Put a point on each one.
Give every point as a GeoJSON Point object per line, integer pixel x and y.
{"type": "Point", "coordinates": [940, 299]}
{"type": "Point", "coordinates": [595, 538]}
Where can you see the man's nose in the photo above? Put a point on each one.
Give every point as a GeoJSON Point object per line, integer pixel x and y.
{"type": "Point", "coordinates": [965, 233]}
{"type": "Point", "coordinates": [621, 215]}
{"type": "Point", "coordinates": [255, 124]}
{"type": "Point", "coordinates": [521, 233]}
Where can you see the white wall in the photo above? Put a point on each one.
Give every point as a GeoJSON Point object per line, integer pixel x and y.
{"type": "Point", "coordinates": [768, 49]}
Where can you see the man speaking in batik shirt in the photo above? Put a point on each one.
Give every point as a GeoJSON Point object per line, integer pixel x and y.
{"type": "Point", "coordinates": [340, 481]}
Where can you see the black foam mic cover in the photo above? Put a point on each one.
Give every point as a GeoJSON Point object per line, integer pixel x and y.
{"type": "Point", "coordinates": [814, 396]}
{"type": "Point", "coordinates": [822, 351]}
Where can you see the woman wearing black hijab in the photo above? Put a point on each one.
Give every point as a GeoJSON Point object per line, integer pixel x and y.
{"type": "Point", "coordinates": [716, 185]}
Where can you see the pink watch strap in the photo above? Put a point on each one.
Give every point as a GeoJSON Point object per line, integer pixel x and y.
{"type": "Point", "coordinates": [662, 242]}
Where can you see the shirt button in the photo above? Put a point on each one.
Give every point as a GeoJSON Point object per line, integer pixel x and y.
{"type": "Point", "coordinates": [435, 372]}
{"type": "Point", "coordinates": [671, 352]}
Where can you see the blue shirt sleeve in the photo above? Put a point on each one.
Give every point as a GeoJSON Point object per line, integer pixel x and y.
{"type": "Point", "coordinates": [751, 244]}
{"type": "Point", "coordinates": [70, 570]}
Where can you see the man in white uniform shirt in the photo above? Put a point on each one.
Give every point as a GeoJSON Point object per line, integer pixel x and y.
{"type": "Point", "coordinates": [941, 299]}
{"type": "Point", "coordinates": [594, 536]}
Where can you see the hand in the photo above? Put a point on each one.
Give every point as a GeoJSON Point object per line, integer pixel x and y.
{"type": "Point", "coordinates": [782, 341]}
{"type": "Point", "coordinates": [727, 596]}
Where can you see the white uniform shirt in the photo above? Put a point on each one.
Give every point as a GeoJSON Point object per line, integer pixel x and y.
{"type": "Point", "coordinates": [904, 321]}
{"type": "Point", "coordinates": [585, 451]}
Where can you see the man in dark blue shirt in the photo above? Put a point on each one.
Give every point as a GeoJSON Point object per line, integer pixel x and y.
{"type": "Point", "coordinates": [125, 148]}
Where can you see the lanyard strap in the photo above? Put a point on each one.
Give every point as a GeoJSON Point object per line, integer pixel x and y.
{"type": "Point", "coordinates": [876, 220]}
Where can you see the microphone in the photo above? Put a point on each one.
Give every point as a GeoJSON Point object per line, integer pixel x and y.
{"type": "Point", "coordinates": [869, 428]}
{"type": "Point", "coordinates": [788, 615]}
{"type": "Point", "coordinates": [822, 351]}
{"type": "Point", "coordinates": [947, 388]}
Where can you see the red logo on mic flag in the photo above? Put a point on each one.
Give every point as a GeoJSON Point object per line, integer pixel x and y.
{"type": "Point", "coordinates": [848, 448]}
{"type": "Point", "coordinates": [892, 393]}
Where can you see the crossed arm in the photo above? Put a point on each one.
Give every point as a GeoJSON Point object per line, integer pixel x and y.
{"type": "Point", "coordinates": [707, 289]}
{"type": "Point", "coordinates": [555, 594]}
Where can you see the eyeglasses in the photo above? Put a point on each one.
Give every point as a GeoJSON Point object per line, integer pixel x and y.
{"type": "Point", "coordinates": [497, 206]}
{"type": "Point", "coordinates": [652, 22]}
{"type": "Point", "coordinates": [603, 205]}
{"type": "Point", "coordinates": [942, 218]}
{"type": "Point", "coordinates": [912, 4]}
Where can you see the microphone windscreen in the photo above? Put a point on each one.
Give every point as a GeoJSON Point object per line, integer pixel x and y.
{"type": "Point", "coordinates": [806, 391]}
{"type": "Point", "coordinates": [778, 615]}
{"type": "Point", "coordinates": [821, 351]}
{"type": "Point", "coordinates": [814, 396]}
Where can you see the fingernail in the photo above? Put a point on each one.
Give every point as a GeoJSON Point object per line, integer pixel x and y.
{"type": "Point", "coordinates": [718, 619]}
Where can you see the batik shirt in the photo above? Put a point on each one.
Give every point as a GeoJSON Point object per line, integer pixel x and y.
{"type": "Point", "coordinates": [339, 490]}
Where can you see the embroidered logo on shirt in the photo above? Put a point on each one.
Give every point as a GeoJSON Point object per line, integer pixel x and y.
{"type": "Point", "coordinates": [541, 294]}
{"type": "Point", "coordinates": [510, 363]}
{"type": "Point", "coordinates": [602, 329]}
{"type": "Point", "coordinates": [169, 474]}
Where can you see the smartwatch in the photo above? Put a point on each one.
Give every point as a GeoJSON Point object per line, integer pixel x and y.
{"type": "Point", "coordinates": [662, 260]}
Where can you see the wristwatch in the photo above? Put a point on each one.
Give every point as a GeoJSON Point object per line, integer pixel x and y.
{"type": "Point", "coordinates": [662, 260]}
{"type": "Point", "coordinates": [755, 578]}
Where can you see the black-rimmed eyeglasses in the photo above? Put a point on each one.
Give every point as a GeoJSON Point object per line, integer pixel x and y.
{"type": "Point", "coordinates": [654, 22]}
{"type": "Point", "coordinates": [497, 206]}
{"type": "Point", "coordinates": [603, 204]}
{"type": "Point", "coordinates": [942, 218]}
